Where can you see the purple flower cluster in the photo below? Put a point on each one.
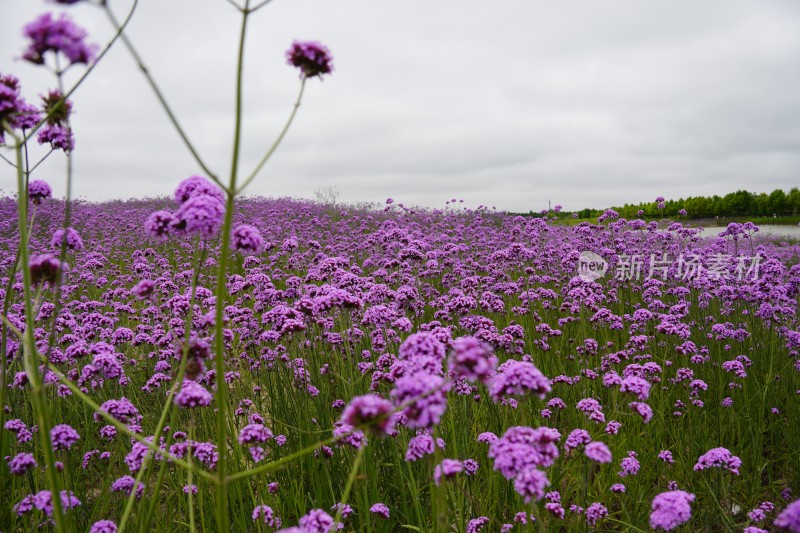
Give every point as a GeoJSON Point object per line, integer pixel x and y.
{"type": "Point", "coordinates": [422, 397]}
{"type": "Point", "coordinates": [63, 436]}
{"type": "Point", "coordinates": [192, 394]}
{"type": "Point", "coordinates": [311, 58]}
{"type": "Point", "coordinates": [671, 509]}
{"type": "Point", "coordinates": [57, 35]}
{"type": "Point", "coordinates": [518, 378]}
{"type": "Point", "coordinates": [39, 190]}
{"type": "Point", "coordinates": [472, 359]}
{"type": "Point", "coordinates": [200, 211]}
{"type": "Point", "coordinates": [719, 458]}
{"type": "Point", "coordinates": [247, 240]}
{"type": "Point", "coordinates": [369, 412]}
{"type": "Point", "coordinates": [71, 239]}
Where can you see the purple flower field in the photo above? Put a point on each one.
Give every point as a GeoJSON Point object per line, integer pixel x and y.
{"type": "Point", "coordinates": [217, 362]}
{"type": "Point", "coordinates": [455, 357]}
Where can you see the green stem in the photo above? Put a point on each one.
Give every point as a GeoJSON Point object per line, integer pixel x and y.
{"type": "Point", "coordinates": [4, 363]}
{"type": "Point", "coordinates": [350, 479]}
{"type": "Point", "coordinates": [189, 484]}
{"type": "Point", "coordinates": [277, 142]}
{"type": "Point", "coordinates": [29, 353]}
{"type": "Point", "coordinates": [161, 99]}
{"type": "Point", "coordinates": [221, 511]}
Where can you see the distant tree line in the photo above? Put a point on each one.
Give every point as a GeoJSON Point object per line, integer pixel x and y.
{"type": "Point", "coordinates": [735, 204]}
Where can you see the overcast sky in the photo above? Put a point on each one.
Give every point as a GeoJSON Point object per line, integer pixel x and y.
{"type": "Point", "coordinates": [507, 103]}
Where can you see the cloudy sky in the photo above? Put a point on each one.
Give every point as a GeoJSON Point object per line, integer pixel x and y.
{"type": "Point", "coordinates": [511, 103]}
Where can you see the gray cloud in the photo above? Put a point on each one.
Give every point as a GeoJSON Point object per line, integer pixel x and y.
{"type": "Point", "coordinates": [510, 103]}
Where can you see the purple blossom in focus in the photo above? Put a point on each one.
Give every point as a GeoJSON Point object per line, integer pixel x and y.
{"type": "Point", "coordinates": [63, 436]}
{"type": "Point", "coordinates": [424, 397]}
{"type": "Point", "coordinates": [518, 378]}
{"type": "Point", "coordinates": [721, 458]}
{"type": "Point", "coordinates": [197, 186]}
{"type": "Point", "coordinates": [381, 510]}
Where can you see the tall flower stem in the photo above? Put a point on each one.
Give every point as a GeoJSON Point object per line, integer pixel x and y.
{"type": "Point", "coordinates": [350, 479]}
{"type": "Point", "coordinates": [30, 355]}
{"type": "Point", "coordinates": [277, 142]}
{"type": "Point", "coordinates": [160, 96]}
{"type": "Point", "coordinates": [4, 362]}
{"type": "Point", "coordinates": [221, 496]}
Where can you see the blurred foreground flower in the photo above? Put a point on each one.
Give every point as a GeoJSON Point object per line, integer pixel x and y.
{"type": "Point", "coordinates": [311, 57]}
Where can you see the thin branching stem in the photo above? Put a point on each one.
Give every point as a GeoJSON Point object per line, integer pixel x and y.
{"type": "Point", "coordinates": [277, 142]}
{"type": "Point", "coordinates": [162, 99]}
{"type": "Point", "coordinates": [30, 358]}
{"type": "Point", "coordinates": [221, 496]}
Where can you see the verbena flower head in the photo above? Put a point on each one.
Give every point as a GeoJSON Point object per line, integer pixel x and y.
{"type": "Point", "coordinates": [63, 436]}
{"type": "Point", "coordinates": [21, 463]}
{"type": "Point", "coordinates": [419, 447]}
{"type": "Point", "coordinates": [254, 433]}
{"type": "Point", "coordinates": [370, 413]}
{"type": "Point", "coordinates": [58, 137]}
{"type": "Point", "coordinates": [247, 240]}
{"type": "Point", "coordinates": [44, 269]}
{"type": "Point", "coordinates": [598, 451]}
{"type": "Point", "coordinates": [422, 345]}
{"type": "Point", "coordinates": [43, 501]}
{"type": "Point", "coordinates": [14, 111]}
{"type": "Point", "coordinates": [57, 35]}
{"type": "Point", "coordinates": [522, 447]}
{"type": "Point", "coordinates": [311, 57]}
{"type": "Point", "coordinates": [196, 186]}
{"type": "Point", "coordinates": [531, 484]}
{"type": "Point", "coordinates": [144, 288]}
{"type": "Point", "coordinates": [317, 521]}
{"type": "Point", "coordinates": [426, 396]}
{"type": "Point", "coordinates": [192, 394]}
{"type": "Point", "coordinates": [71, 238]}
{"type": "Point", "coordinates": [56, 108]}
{"type": "Point", "coordinates": [39, 190]}
{"type": "Point", "coordinates": [790, 517]}
{"type": "Point", "coordinates": [200, 215]}
{"type": "Point", "coordinates": [103, 526]}
{"type": "Point", "coordinates": [448, 468]}
{"type": "Point", "coordinates": [160, 223]}
{"type": "Point", "coordinates": [577, 438]}
{"type": "Point", "coordinates": [518, 378]}
{"type": "Point", "coordinates": [643, 410]}
{"type": "Point", "coordinates": [721, 458]}
{"type": "Point", "coordinates": [671, 509]}
{"type": "Point", "coordinates": [265, 514]}
{"type": "Point", "coordinates": [380, 509]}
{"type": "Point", "coordinates": [472, 359]}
